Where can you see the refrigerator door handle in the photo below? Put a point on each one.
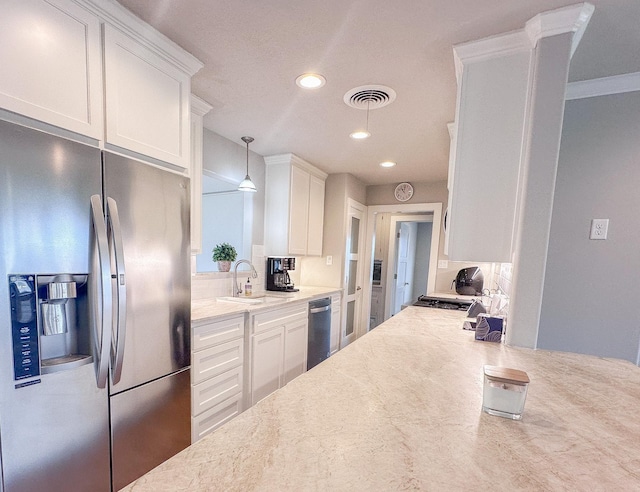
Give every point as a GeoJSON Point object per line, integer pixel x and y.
{"type": "Point", "coordinates": [103, 310]}
{"type": "Point", "coordinates": [120, 306]}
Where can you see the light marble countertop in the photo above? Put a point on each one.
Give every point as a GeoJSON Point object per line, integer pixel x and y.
{"type": "Point", "coordinates": [204, 309]}
{"type": "Point", "coordinates": [400, 409]}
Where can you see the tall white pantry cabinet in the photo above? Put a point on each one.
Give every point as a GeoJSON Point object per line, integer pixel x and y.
{"type": "Point", "coordinates": [92, 68]}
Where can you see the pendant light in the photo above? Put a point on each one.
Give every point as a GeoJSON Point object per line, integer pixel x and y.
{"type": "Point", "coordinates": [247, 184]}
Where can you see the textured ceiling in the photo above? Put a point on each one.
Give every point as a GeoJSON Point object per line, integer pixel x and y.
{"type": "Point", "coordinates": [253, 51]}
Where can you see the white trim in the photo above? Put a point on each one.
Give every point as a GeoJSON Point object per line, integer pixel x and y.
{"type": "Point", "coordinates": [574, 18]}
{"type": "Point", "coordinates": [392, 259]}
{"type": "Point", "coordinates": [483, 49]}
{"type": "Point", "coordinates": [200, 107]}
{"type": "Point", "coordinates": [119, 17]}
{"type": "Point", "coordinates": [406, 208]}
{"type": "Point", "coordinates": [616, 84]}
{"type": "Point", "coordinates": [298, 161]}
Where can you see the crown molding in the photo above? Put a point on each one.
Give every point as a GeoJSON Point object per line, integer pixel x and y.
{"type": "Point", "coordinates": [483, 49]}
{"type": "Point", "coordinates": [116, 15]}
{"type": "Point", "coordinates": [573, 18]}
{"type": "Point", "coordinates": [298, 161]}
{"type": "Point", "coordinates": [617, 84]}
{"type": "Point", "coordinates": [199, 106]}
{"type": "Point", "coordinates": [567, 19]}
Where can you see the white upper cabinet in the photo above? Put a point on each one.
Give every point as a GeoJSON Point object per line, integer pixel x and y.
{"type": "Point", "coordinates": [294, 207]}
{"type": "Point", "coordinates": [486, 154]}
{"type": "Point", "coordinates": [91, 67]}
{"type": "Point", "coordinates": [497, 82]}
{"type": "Point", "coordinates": [147, 100]}
{"type": "Point", "coordinates": [51, 62]}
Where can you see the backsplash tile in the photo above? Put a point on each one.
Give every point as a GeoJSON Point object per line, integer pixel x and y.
{"type": "Point", "coordinates": [504, 278]}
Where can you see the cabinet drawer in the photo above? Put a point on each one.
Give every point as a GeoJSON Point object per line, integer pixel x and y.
{"type": "Point", "coordinates": [209, 393]}
{"type": "Point", "coordinates": [213, 418]}
{"type": "Point", "coordinates": [214, 361]}
{"type": "Point", "coordinates": [266, 321]}
{"type": "Point", "coordinates": [209, 334]}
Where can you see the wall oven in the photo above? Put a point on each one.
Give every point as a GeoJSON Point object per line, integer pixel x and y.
{"type": "Point", "coordinates": [377, 272]}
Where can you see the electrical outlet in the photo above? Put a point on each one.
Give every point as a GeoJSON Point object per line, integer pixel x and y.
{"type": "Point", "coordinates": [599, 228]}
{"type": "Point", "coordinates": [443, 263]}
{"type": "Point", "coordinates": [329, 260]}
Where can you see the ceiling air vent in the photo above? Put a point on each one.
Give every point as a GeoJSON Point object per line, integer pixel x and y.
{"type": "Point", "coordinates": [369, 97]}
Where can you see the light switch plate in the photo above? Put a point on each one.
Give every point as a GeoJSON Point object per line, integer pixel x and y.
{"type": "Point", "coordinates": [443, 263]}
{"type": "Point", "coordinates": [329, 260]}
{"type": "Point", "coordinates": [599, 228]}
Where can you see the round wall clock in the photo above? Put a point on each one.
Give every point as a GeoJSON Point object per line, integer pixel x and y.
{"type": "Point", "coordinates": [403, 192]}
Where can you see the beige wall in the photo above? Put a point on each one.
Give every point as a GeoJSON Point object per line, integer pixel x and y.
{"type": "Point", "coordinates": [314, 271]}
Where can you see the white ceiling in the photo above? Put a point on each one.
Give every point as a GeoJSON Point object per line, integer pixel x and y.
{"type": "Point", "coordinates": [253, 51]}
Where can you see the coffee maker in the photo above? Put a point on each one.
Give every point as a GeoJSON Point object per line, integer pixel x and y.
{"type": "Point", "coordinates": [278, 274]}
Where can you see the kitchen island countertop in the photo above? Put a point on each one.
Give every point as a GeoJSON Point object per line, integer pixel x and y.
{"type": "Point", "coordinates": [400, 409]}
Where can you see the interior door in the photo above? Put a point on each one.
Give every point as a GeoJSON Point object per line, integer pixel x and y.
{"type": "Point", "coordinates": [353, 271]}
{"type": "Point", "coordinates": [406, 248]}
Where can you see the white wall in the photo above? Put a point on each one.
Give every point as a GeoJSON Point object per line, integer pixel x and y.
{"type": "Point", "coordinates": [590, 301]}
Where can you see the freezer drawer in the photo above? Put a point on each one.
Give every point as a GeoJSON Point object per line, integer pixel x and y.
{"type": "Point", "coordinates": [149, 424]}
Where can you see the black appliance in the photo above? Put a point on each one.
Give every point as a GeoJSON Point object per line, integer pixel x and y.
{"type": "Point", "coordinates": [278, 274]}
{"type": "Point", "coordinates": [377, 272]}
{"type": "Point", "coordinates": [443, 303]}
{"type": "Point", "coordinates": [469, 281]}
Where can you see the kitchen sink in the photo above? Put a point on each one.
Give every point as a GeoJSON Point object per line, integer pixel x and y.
{"type": "Point", "coordinates": [251, 300]}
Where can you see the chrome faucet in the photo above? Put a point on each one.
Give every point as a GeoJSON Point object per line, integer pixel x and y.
{"type": "Point", "coordinates": [237, 290]}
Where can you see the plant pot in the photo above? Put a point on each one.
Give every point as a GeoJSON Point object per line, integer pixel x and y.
{"type": "Point", "coordinates": [224, 266]}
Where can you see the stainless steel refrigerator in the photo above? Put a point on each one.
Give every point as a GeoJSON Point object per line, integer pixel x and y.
{"type": "Point", "coordinates": [94, 315]}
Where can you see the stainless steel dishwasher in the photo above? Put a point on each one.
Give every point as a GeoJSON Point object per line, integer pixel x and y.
{"type": "Point", "coordinates": [319, 331]}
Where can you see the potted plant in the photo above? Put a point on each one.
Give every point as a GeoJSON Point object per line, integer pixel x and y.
{"type": "Point", "coordinates": [224, 254]}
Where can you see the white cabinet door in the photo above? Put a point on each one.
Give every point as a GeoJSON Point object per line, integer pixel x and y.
{"type": "Point", "coordinates": [51, 64]}
{"type": "Point", "coordinates": [488, 138]}
{"type": "Point", "coordinates": [214, 417]}
{"type": "Point", "coordinates": [316, 216]}
{"type": "Point", "coordinates": [267, 356]}
{"type": "Point", "coordinates": [147, 101]}
{"type": "Point", "coordinates": [295, 349]}
{"type": "Point", "coordinates": [298, 211]}
{"type": "Point", "coordinates": [294, 207]}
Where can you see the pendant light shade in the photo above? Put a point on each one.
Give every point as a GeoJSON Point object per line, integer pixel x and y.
{"type": "Point", "coordinates": [247, 184]}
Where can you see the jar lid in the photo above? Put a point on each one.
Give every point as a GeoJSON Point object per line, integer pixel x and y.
{"type": "Point", "coordinates": [506, 374]}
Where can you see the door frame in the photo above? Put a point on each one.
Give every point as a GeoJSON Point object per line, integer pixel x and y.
{"type": "Point", "coordinates": [372, 210]}
{"type": "Point", "coordinates": [363, 252]}
{"type": "Point", "coordinates": [392, 258]}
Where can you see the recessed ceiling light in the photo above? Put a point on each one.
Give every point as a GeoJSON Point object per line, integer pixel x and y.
{"type": "Point", "coordinates": [310, 81]}
{"type": "Point", "coordinates": [387, 164]}
{"type": "Point", "coordinates": [360, 135]}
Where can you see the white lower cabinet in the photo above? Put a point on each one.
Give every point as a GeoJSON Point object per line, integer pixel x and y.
{"type": "Point", "coordinates": [278, 349]}
{"type": "Point", "coordinates": [217, 373]}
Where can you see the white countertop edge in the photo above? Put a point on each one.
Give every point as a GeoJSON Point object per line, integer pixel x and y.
{"type": "Point", "coordinates": [204, 310]}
